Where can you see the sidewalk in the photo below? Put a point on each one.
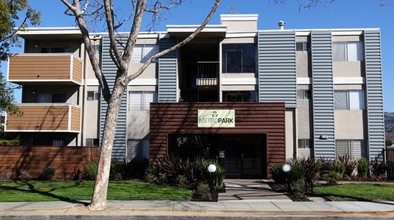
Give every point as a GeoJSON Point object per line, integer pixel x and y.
{"type": "Point", "coordinates": [247, 209]}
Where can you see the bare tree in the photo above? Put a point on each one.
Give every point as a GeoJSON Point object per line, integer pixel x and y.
{"type": "Point", "coordinates": [113, 96]}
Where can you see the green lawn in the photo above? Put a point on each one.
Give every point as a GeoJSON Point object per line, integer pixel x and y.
{"type": "Point", "coordinates": [18, 191]}
{"type": "Point", "coordinates": [357, 192]}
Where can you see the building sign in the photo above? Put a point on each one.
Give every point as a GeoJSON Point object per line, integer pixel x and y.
{"type": "Point", "coordinates": [211, 118]}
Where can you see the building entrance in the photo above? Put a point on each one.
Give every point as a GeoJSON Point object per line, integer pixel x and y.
{"type": "Point", "coordinates": [241, 155]}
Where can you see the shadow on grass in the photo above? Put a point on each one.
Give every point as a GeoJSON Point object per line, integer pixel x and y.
{"type": "Point", "coordinates": [49, 193]}
{"type": "Point", "coordinates": [327, 196]}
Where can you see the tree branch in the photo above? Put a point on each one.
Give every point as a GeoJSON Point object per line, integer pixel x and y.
{"type": "Point", "coordinates": [185, 41]}
{"type": "Point", "coordinates": [89, 48]}
{"type": "Point", "coordinates": [109, 14]}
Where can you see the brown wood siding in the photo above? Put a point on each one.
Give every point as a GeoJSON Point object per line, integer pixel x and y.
{"type": "Point", "coordinates": [69, 162]}
{"type": "Point", "coordinates": [250, 118]}
{"type": "Point", "coordinates": [40, 67]}
{"type": "Point", "coordinates": [38, 118]}
{"type": "Point", "coordinates": [75, 118]}
{"type": "Point", "coordinates": [77, 70]}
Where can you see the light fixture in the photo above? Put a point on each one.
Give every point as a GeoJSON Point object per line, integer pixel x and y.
{"type": "Point", "coordinates": [286, 167]}
{"type": "Point", "coordinates": [36, 45]}
{"type": "Point", "coordinates": [211, 168]}
{"type": "Point", "coordinates": [323, 137]}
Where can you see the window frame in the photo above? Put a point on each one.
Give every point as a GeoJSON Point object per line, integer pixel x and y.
{"type": "Point", "coordinates": [353, 101]}
{"type": "Point", "coordinates": [305, 46]}
{"type": "Point", "coordinates": [143, 105]}
{"type": "Point", "coordinates": [351, 147]}
{"type": "Point", "coordinates": [304, 94]}
{"type": "Point", "coordinates": [248, 53]}
{"type": "Point", "coordinates": [304, 143]}
{"type": "Point", "coordinates": [348, 51]}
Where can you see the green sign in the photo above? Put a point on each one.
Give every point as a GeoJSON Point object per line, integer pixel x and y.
{"type": "Point", "coordinates": [216, 118]}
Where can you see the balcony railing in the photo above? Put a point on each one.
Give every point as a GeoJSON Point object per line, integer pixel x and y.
{"type": "Point", "coordinates": [45, 117]}
{"type": "Point", "coordinates": [45, 68]}
{"type": "Point", "coordinates": [207, 74]}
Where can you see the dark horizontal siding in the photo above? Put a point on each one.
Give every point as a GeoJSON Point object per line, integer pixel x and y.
{"type": "Point", "coordinates": [250, 118]}
{"type": "Point", "coordinates": [69, 162]}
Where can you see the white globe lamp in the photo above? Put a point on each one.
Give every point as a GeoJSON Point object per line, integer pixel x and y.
{"type": "Point", "coordinates": [286, 167]}
{"type": "Point", "coordinates": [211, 168]}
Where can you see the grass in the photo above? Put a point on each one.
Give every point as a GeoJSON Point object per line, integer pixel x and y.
{"type": "Point", "coordinates": [34, 191]}
{"type": "Point", "coordinates": [357, 192]}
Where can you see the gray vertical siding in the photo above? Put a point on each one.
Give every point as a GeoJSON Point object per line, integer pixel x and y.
{"type": "Point", "coordinates": [109, 70]}
{"type": "Point", "coordinates": [374, 96]}
{"type": "Point", "coordinates": [322, 95]}
{"type": "Point", "coordinates": [167, 77]}
{"type": "Point", "coordinates": [277, 67]}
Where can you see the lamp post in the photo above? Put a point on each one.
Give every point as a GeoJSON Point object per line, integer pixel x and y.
{"type": "Point", "coordinates": [211, 170]}
{"type": "Point", "coordinates": [286, 169]}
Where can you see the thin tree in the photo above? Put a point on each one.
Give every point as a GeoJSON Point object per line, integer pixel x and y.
{"type": "Point", "coordinates": [113, 96]}
{"type": "Point", "coordinates": [15, 15]}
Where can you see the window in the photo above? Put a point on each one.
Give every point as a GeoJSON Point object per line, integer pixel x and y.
{"type": "Point", "coordinates": [355, 149]}
{"type": "Point", "coordinates": [239, 58]}
{"type": "Point", "coordinates": [97, 48]}
{"type": "Point", "coordinates": [304, 143]}
{"type": "Point", "coordinates": [44, 98]}
{"type": "Point", "coordinates": [55, 50]}
{"type": "Point", "coordinates": [239, 96]}
{"type": "Point", "coordinates": [347, 51]}
{"type": "Point", "coordinates": [303, 46]}
{"type": "Point", "coordinates": [349, 99]}
{"type": "Point", "coordinates": [92, 95]}
{"type": "Point", "coordinates": [141, 53]}
{"type": "Point", "coordinates": [304, 94]}
{"type": "Point", "coordinates": [51, 98]}
{"type": "Point", "coordinates": [58, 142]}
{"type": "Point", "coordinates": [92, 142]}
{"type": "Point", "coordinates": [141, 100]}
{"type": "Point", "coordinates": [59, 98]}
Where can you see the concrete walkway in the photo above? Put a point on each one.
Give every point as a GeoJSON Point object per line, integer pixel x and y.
{"type": "Point", "coordinates": [244, 199]}
{"type": "Point", "coordinates": [242, 209]}
{"type": "Point", "coordinates": [250, 189]}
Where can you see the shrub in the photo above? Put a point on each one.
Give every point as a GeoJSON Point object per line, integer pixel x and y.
{"type": "Point", "coordinates": [201, 172]}
{"type": "Point", "coordinates": [333, 177]}
{"type": "Point", "coordinates": [135, 169]}
{"type": "Point", "coordinates": [181, 181]}
{"type": "Point", "coordinates": [350, 164]}
{"type": "Point", "coordinates": [339, 168]}
{"type": "Point", "coordinates": [174, 170]}
{"type": "Point", "coordinates": [297, 171]}
{"type": "Point", "coordinates": [298, 189]}
{"type": "Point", "coordinates": [166, 170]}
{"type": "Point", "coordinates": [390, 170]}
{"type": "Point", "coordinates": [6, 176]}
{"type": "Point", "coordinates": [362, 168]}
{"type": "Point", "coordinates": [326, 166]}
{"type": "Point", "coordinates": [379, 168]}
{"type": "Point", "coordinates": [90, 171]}
{"type": "Point", "coordinates": [47, 173]}
{"type": "Point", "coordinates": [312, 170]}
{"type": "Point", "coordinates": [277, 174]}
{"type": "Point", "coordinates": [24, 176]}
{"type": "Point", "coordinates": [202, 192]}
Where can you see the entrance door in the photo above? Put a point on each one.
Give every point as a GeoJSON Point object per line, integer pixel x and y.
{"type": "Point", "coordinates": [242, 156]}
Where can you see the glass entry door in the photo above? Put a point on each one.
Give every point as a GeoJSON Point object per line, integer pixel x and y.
{"type": "Point", "coordinates": [242, 156]}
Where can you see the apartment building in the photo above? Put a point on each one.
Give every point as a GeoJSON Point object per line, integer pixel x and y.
{"type": "Point", "coordinates": [247, 97]}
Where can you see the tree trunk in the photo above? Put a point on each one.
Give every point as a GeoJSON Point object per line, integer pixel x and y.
{"type": "Point", "coordinates": [99, 198]}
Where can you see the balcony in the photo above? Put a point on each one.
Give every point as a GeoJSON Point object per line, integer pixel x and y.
{"type": "Point", "coordinates": [46, 117]}
{"type": "Point", "coordinates": [28, 68]}
{"type": "Point", "coordinates": [208, 72]}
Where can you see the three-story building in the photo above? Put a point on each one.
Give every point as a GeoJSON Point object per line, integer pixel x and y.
{"type": "Point", "coordinates": [247, 97]}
